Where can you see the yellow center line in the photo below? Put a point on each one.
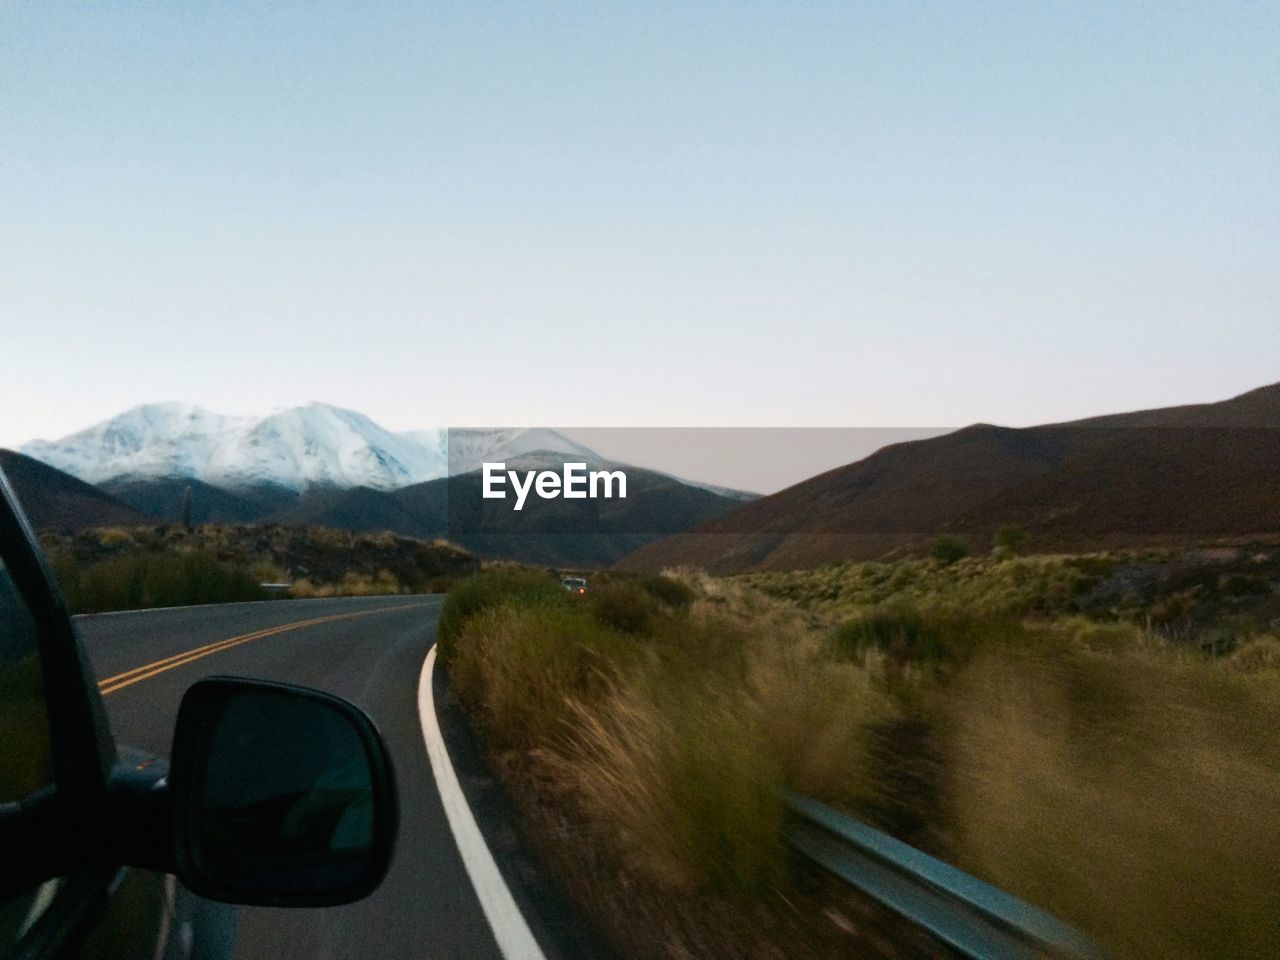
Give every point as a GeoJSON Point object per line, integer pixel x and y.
{"type": "Point", "coordinates": [147, 671]}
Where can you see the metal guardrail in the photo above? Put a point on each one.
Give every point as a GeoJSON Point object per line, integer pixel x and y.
{"type": "Point", "coordinates": [971, 916]}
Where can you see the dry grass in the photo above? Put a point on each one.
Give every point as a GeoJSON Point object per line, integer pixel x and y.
{"type": "Point", "coordinates": [1259, 655]}
{"type": "Point", "coordinates": [684, 736]}
{"type": "Point", "coordinates": [382, 583]}
{"type": "Point", "coordinates": [1089, 765]}
{"type": "Point", "coordinates": [521, 667]}
{"type": "Point", "coordinates": [1214, 598]}
{"type": "Point", "coordinates": [689, 780]}
{"type": "Point", "coordinates": [99, 568]}
{"type": "Point", "coordinates": [690, 766]}
{"type": "Point", "coordinates": [140, 580]}
{"type": "Point", "coordinates": [1131, 793]}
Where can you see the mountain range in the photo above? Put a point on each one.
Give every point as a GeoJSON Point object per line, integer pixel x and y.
{"type": "Point", "coordinates": [1173, 475]}
{"type": "Point", "coordinates": [324, 466]}
{"type": "Point", "coordinates": [316, 445]}
{"type": "Point", "coordinates": [1167, 476]}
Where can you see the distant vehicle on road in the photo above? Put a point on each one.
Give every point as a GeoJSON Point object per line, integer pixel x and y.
{"type": "Point", "coordinates": [574, 584]}
{"type": "Point", "coordinates": [305, 816]}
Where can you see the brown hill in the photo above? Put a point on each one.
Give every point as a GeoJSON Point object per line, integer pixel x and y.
{"type": "Point", "coordinates": [57, 500]}
{"type": "Point", "coordinates": [1172, 475]}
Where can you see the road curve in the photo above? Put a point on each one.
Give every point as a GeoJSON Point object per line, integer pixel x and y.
{"type": "Point", "coordinates": [369, 650]}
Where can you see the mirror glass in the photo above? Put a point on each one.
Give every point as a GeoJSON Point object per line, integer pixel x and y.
{"type": "Point", "coordinates": [282, 799]}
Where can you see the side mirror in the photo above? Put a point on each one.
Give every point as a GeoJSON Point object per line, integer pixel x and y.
{"type": "Point", "coordinates": [280, 796]}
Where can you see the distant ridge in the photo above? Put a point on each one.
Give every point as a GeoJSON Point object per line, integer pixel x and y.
{"type": "Point", "coordinates": [56, 500]}
{"type": "Point", "coordinates": [1259, 407]}
{"type": "Point", "coordinates": [544, 532]}
{"type": "Point", "coordinates": [1157, 476]}
{"type": "Point", "coordinates": [324, 466]}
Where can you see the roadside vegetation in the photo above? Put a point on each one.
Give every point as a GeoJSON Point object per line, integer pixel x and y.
{"type": "Point", "coordinates": [119, 568]}
{"type": "Point", "coordinates": [1095, 733]}
{"type": "Point", "coordinates": [152, 580]}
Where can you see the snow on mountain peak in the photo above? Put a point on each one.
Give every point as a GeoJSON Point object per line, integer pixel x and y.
{"type": "Point", "coordinates": [298, 447]}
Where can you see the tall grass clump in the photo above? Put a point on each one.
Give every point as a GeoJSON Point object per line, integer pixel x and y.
{"type": "Point", "coordinates": [1014, 586]}
{"type": "Point", "coordinates": [948, 549]}
{"type": "Point", "coordinates": [520, 664]}
{"type": "Point", "coordinates": [677, 725]}
{"type": "Point", "coordinates": [686, 775]}
{"type": "Point", "coordinates": [1258, 655]}
{"type": "Point", "coordinates": [139, 581]}
{"type": "Point", "coordinates": [1018, 717]}
{"type": "Point", "coordinates": [488, 589]}
{"type": "Point", "coordinates": [381, 584]}
{"type": "Point", "coordinates": [906, 633]}
{"type": "Point", "coordinates": [668, 589]}
{"type": "Point", "coordinates": [625, 606]}
{"type": "Point", "coordinates": [822, 716]}
{"type": "Point", "coordinates": [1132, 793]}
{"type": "Point", "coordinates": [688, 757]}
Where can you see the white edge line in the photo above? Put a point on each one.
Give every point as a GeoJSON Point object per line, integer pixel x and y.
{"type": "Point", "coordinates": [510, 930]}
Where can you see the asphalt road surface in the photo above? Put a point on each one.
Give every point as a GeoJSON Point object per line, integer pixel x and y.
{"type": "Point", "coordinates": [369, 650]}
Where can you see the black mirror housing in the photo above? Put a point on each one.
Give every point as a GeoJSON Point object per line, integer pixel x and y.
{"type": "Point", "coordinates": [278, 796]}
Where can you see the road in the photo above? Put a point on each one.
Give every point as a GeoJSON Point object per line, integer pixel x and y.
{"type": "Point", "coordinates": [369, 650]}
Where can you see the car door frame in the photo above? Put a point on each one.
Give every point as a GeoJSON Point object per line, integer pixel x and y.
{"type": "Point", "coordinates": [77, 829]}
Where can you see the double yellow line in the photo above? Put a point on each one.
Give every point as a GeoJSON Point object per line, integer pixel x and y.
{"type": "Point", "coordinates": [147, 671]}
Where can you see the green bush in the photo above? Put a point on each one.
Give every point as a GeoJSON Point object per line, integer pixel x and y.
{"type": "Point", "coordinates": [948, 549]}
{"type": "Point", "coordinates": [907, 634]}
{"type": "Point", "coordinates": [1243, 585]}
{"type": "Point", "coordinates": [469, 597]}
{"type": "Point", "coordinates": [520, 663]}
{"type": "Point", "coordinates": [1010, 539]}
{"type": "Point", "coordinates": [687, 772]}
{"type": "Point", "coordinates": [668, 590]}
{"type": "Point", "coordinates": [1017, 586]}
{"type": "Point", "coordinates": [1073, 775]}
{"type": "Point", "coordinates": [152, 580]}
{"type": "Point", "coordinates": [623, 606]}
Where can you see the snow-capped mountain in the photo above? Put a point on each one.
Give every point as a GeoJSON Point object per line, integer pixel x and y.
{"type": "Point", "coordinates": [469, 449]}
{"type": "Point", "coordinates": [297, 448]}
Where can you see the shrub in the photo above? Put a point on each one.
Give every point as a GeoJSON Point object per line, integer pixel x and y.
{"type": "Point", "coordinates": [469, 597]}
{"type": "Point", "coordinates": [688, 758]}
{"type": "Point", "coordinates": [820, 716]}
{"type": "Point", "coordinates": [1256, 655]}
{"type": "Point", "coordinates": [908, 634]}
{"type": "Point", "coordinates": [1064, 760]}
{"type": "Point", "coordinates": [1131, 794]}
{"type": "Point", "coordinates": [948, 549]}
{"type": "Point", "coordinates": [686, 775]}
{"type": "Point", "coordinates": [623, 606]}
{"type": "Point", "coordinates": [1243, 585]}
{"type": "Point", "coordinates": [113, 536]}
{"type": "Point", "coordinates": [1010, 539]}
{"type": "Point", "coordinates": [519, 664]}
{"type": "Point", "coordinates": [152, 580]}
{"type": "Point", "coordinates": [668, 590]}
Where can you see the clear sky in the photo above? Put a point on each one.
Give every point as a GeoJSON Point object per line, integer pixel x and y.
{"type": "Point", "coordinates": [744, 214]}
